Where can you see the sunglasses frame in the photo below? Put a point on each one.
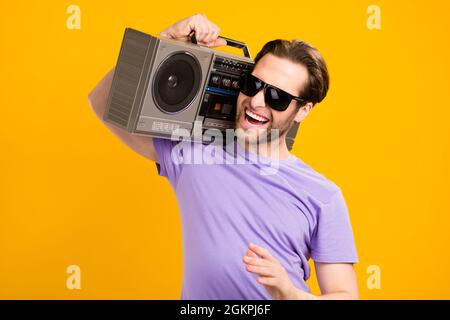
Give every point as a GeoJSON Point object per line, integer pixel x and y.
{"type": "Point", "coordinates": [245, 77]}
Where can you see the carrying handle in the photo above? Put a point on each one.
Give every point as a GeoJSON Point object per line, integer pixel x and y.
{"type": "Point", "coordinates": [230, 42]}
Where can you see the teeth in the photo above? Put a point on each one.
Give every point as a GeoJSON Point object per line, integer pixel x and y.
{"type": "Point", "coordinates": [255, 116]}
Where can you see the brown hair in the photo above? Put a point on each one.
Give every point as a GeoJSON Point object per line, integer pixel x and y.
{"type": "Point", "coordinates": [297, 51]}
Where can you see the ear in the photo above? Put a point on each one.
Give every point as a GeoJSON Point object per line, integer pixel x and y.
{"type": "Point", "coordinates": [303, 112]}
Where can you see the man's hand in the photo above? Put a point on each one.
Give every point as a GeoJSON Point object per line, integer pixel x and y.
{"type": "Point", "coordinates": [206, 32]}
{"type": "Point", "coordinates": [336, 280]}
{"type": "Point", "coordinates": [272, 274]}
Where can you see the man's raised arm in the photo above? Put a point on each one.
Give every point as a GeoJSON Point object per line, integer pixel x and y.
{"type": "Point", "coordinates": [98, 99]}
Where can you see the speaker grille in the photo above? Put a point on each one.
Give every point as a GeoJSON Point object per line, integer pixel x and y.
{"type": "Point", "coordinates": [128, 74]}
{"type": "Point", "coordinates": [177, 82]}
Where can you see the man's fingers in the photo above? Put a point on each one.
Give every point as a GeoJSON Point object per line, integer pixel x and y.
{"type": "Point", "coordinates": [206, 28]}
{"type": "Point", "coordinates": [206, 32]}
{"type": "Point", "coordinates": [268, 281]}
{"type": "Point", "coordinates": [215, 41]}
{"type": "Point", "coordinates": [255, 261]}
{"type": "Point", "coordinates": [262, 271]}
{"type": "Point", "coordinates": [250, 253]}
{"type": "Point", "coordinates": [218, 43]}
{"type": "Point", "coordinates": [214, 35]}
{"type": "Point", "coordinates": [215, 31]}
{"type": "Point", "coordinates": [200, 32]}
{"type": "Point", "coordinates": [201, 28]}
{"type": "Point", "coordinates": [182, 28]}
{"type": "Point", "coordinates": [193, 23]}
{"type": "Point", "coordinates": [261, 252]}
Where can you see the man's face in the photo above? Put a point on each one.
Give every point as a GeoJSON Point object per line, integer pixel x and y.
{"type": "Point", "coordinates": [283, 74]}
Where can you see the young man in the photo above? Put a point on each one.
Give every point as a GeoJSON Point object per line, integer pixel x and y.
{"type": "Point", "coordinates": [247, 235]}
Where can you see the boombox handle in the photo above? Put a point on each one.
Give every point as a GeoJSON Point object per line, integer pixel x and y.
{"type": "Point", "coordinates": [230, 42]}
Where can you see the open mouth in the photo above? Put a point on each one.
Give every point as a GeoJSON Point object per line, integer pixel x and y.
{"type": "Point", "coordinates": [254, 118]}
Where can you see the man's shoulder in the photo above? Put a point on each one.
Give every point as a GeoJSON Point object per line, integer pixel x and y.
{"type": "Point", "coordinates": [313, 182]}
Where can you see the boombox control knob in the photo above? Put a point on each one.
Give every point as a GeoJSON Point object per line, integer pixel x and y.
{"type": "Point", "coordinates": [235, 84]}
{"type": "Point", "coordinates": [215, 80]}
{"type": "Point", "coordinates": [226, 82]}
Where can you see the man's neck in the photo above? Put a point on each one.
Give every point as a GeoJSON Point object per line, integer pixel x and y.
{"type": "Point", "coordinates": [276, 150]}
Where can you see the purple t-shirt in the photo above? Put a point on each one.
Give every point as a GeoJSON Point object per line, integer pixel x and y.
{"type": "Point", "coordinates": [294, 212]}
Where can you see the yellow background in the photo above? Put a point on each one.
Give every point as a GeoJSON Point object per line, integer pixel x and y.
{"type": "Point", "coordinates": [70, 193]}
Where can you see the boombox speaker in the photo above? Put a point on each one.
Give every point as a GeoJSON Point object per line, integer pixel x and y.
{"type": "Point", "coordinates": [161, 85]}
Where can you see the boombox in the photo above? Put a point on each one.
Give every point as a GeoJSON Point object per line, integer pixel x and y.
{"type": "Point", "coordinates": [161, 85]}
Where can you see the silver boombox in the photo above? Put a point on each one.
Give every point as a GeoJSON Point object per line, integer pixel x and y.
{"type": "Point", "coordinates": [161, 85]}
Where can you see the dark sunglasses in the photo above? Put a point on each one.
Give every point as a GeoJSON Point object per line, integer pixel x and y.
{"type": "Point", "coordinates": [276, 98]}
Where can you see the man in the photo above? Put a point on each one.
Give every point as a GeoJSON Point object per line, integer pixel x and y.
{"type": "Point", "coordinates": [247, 235]}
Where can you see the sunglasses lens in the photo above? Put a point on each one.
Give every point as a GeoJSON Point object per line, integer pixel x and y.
{"type": "Point", "coordinates": [249, 85]}
{"type": "Point", "coordinates": [277, 99]}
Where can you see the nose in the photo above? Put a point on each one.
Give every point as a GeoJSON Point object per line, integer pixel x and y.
{"type": "Point", "coordinates": [258, 100]}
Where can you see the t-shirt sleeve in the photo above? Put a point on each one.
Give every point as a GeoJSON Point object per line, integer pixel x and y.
{"type": "Point", "coordinates": [332, 240]}
{"type": "Point", "coordinates": [168, 165]}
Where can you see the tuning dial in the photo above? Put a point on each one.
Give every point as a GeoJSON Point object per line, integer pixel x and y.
{"type": "Point", "coordinates": [226, 82]}
{"type": "Point", "coordinates": [215, 80]}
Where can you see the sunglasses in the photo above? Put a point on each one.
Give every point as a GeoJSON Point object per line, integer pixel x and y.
{"type": "Point", "coordinates": [276, 98]}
